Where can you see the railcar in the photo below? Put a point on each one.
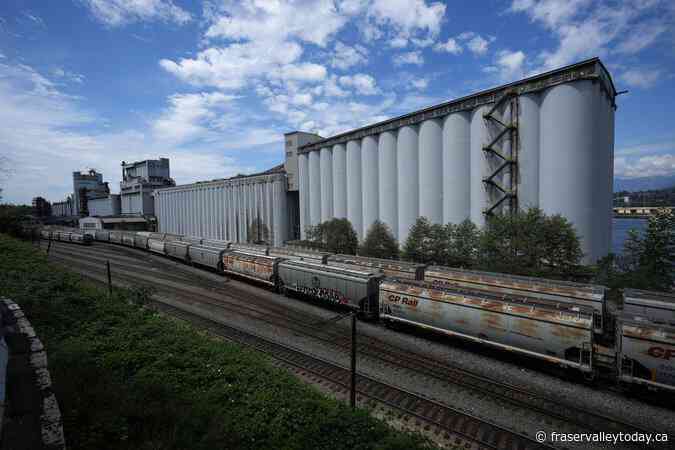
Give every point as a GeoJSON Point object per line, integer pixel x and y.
{"type": "Point", "coordinates": [658, 306]}
{"type": "Point", "coordinates": [172, 237]}
{"type": "Point", "coordinates": [561, 334]}
{"type": "Point", "coordinates": [102, 235]}
{"type": "Point", "coordinates": [177, 249]}
{"type": "Point", "coordinates": [141, 241]}
{"type": "Point", "coordinates": [300, 255]}
{"type": "Point", "coordinates": [251, 265]}
{"type": "Point", "coordinates": [390, 268]}
{"type": "Point", "coordinates": [128, 239]}
{"type": "Point", "coordinates": [157, 236]}
{"type": "Point", "coordinates": [63, 236]}
{"type": "Point", "coordinates": [116, 236]}
{"type": "Point", "coordinates": [589, 295]}
{"type": "Point", "coordinates": [80, 238]}
{"type": "Point", "coordinates": [207, 256]}
{"type": "Point", "coordinates": [645, 352]}
{"type": "Point", "coordinates": [45, 234]}
{"type": "Point", "coordinates": [250, 248]}
{"type": "Point", "coordinates": [216, 243]}
{"type": "Point", "coordinates": [191, 240]}
{"type": "Point", "coordinates": [354, 288]}
{"type": "Point", "coordinates": [157, 246]}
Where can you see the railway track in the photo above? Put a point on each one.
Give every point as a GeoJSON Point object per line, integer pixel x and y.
{"type": "Point", "coordinates": [375, 348]}
{"type": "Point", "coordinates": [461, 428]}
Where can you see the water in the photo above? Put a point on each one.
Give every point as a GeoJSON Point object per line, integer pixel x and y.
{"type": "Point", "coordinates": [620, 229]}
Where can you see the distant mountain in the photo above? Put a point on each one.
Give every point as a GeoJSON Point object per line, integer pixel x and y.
{"type": "Point", "coordinates": [643, 184]}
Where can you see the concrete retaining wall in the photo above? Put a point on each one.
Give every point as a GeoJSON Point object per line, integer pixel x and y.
{"type": "Point", "coordinates": [31, 417]}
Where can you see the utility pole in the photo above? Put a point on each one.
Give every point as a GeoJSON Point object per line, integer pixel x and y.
{"type": "Point", "coordinates": [352, 396]}
{"type": "Point", "coordinates": [107, 265]}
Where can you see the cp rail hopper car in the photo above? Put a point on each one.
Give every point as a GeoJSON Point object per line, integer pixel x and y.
{"type": "Point", "coordinates": [349, 287]}
{"type": "Point", "coordinates": [645, 352]}
{"type": "Point", "coordinates": [251, 265]}
{"type": "Point", "coordinates": [592, 296]}
{"type": "Point", "coordinates": [558, 334]}
{"type": "Point", "coordinates": [658, 306]}
{"type": "Point", "coordinates": [390, 268]}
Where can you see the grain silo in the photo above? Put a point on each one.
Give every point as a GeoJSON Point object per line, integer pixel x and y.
{"type": "Point", "coordinates": [545, 141]}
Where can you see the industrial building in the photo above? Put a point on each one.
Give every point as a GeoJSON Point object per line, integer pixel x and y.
{"type": "Point", "coordinates": [109, 205]}
{"type": "Point", "coordinates": [546, 141]}
{"type": "Point", "coordinates": [64, 208]}
{"type": "Point", "coordinates": [139, 180]}
{"type": "Point", "coordinates": [87, 185]}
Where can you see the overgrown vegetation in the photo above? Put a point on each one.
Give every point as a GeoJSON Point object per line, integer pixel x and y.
{"type": "Point", "coordinates": [127, 378]}
{"type": "Point", "coordinates": [647, 262]}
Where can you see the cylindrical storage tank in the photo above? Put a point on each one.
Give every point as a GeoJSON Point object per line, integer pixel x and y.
{"type": "Point", "coordinates": [339, 181]}
{"type": "Point", "coordinates": [408, 181]}
{"type": "Point", "coordinates": [369, 182]}
{"type": "Point", "coordinates": [326, 184]}
{"type": "Point", "coordinates": [528, 151]}
{"type": "Point", "coordinates": [479, 169]}
{"type": "Point", "coordinates": [314, 188]}
{"type": "Point", "coordinates": [303, 187]}
{"type": "Point", "coordinates": [387, 181]}
{"type": "Point", "coordinates": [574, 145]}
{"type": "Point", "coordinates": [456, 167]}
{"type": "Point", "coordinates": [354, 192]}
{"type": "Point", "coordinates": [431, 170]}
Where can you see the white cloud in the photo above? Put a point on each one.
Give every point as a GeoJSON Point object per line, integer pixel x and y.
{"type": "Point", "coordinates": [332, 89]}
{"type": "Point", "coordinates": [121, 12]}
{"type": "Point", "coordinates": [478, 45]}
{"type": "Point", "coordinates": [640, 78]}
{"type": "Point", "coordinates": [415, 58]}
{"type": "Point", "coordinates": [2, 55]}
{"type": "Point", "coordinates": [398, 42]}
{"type": "Point", "coordinates": [641, 37]}
{"type": "Point", "coordinates": [363, 84]}
{"type": "Point", "coordinates": [68, 76]}
{"type": "Point", "coordinates": [420, 83]}
{"type": "Point", "coordinates": [303, 72]}
{"type": "Point", "coordinates": [450, 46]}
{"type": "Point", "coordinates": [508, 65]}
{"type": "Point", "coordinates": [408, 17]}
{"type": "Point", "coordinates": [646, 166]}
{"type": "Point", "coordinates": [550, 12]}
{"type": "Point", "coordinates": [345, 56]}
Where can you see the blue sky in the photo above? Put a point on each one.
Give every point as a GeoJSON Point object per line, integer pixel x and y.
{"type": "Point", "coordinates": [213, 85]}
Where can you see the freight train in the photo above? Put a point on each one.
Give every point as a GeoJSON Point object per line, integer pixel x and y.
{"type": "Point", "coordinates": [562, 323]}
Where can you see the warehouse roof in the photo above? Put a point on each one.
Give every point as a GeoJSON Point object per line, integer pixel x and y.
{"type": "Point", "coordinates": [592, 69]}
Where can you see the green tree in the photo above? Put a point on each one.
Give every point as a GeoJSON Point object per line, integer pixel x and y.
{"type": "Point", "coordinates": [335, 235]}
{"type": "Point", "coordinates": [464, 241]}
{"type": "Point", "coordinates": [417, 246]}
{"type": "Point", "coordinates": [656, 258]}
{"type": "Point", "coordinates": [379, 242]}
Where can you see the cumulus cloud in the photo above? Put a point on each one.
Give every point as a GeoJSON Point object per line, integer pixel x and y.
{"type": "Point", "coordinates": [362, 83]}
{"type": "Point", "coordinates": [68, 76]}
{"type": "Point", "coordinates": [450, 46]}
{"type": "Point", "coordinates": [414, 58]}
{"type": "Point", "coordinates": [408, 18]}
{"type": "Point", "coordinates": [640, 77]}
{"type": "Point", "coordinates": [646, 166]}
{"type": "Point", "coordinates": [115, 13]}
{"type": "Point", "coordinates": [420, 83]}
{"type": "Point", "coordinates": [346, 56]}
{"type": "Point", "coordinates": [508, 65]}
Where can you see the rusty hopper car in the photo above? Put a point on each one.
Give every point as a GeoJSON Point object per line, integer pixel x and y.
{"type": "Point", "coordinates": [390, 268]}
{"type": "Point", "coordinates": [645, 352]}
{"type": "Point", "coordinates": [251, 265]}
{"type": "Point", "coordinates": [205, 255]}
{"type": "Point", "coordinates": [177, 249]}
{"type": "Point", "coordinates": [216, 243]}
{"type": "Point", "coordinates": [191, 240]}
{"type": "Point", "coordinates": [658, 306]}
{"type": "Point", "coordinates": [589, 295]}
{"type": "Point", "coordinates": [300, 255]}
{"type": "Point", "coordinates": [102, 235]}
{"type": "Point", "coordinates": [556, 333]}
{"type": "Point", "coordinates": [128, 239]}
{"type": "Point", "coordinates": [251, 248]}
{"type": "Point", "coordinates": [141, 241]}
{"type": "Point", "coordinates": [338, 285]}
{"type": "Point", "coordinates": [156, 245]}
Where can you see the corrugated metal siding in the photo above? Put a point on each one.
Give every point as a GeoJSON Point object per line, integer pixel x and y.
{"type": "Point", "coordinates": [225, 209]}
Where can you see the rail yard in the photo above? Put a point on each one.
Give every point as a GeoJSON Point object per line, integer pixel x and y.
{"type": "Point", "coordinates": [444, 388]}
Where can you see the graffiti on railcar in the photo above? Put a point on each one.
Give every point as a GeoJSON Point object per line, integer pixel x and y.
{"type": "Point", "coordinates": [249, 266]}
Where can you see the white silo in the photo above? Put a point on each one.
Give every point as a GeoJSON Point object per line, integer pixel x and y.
{"type": "Point", "coordinates": [431, 170]}
{"type": "Point", "coordinates": [314, 188]}
{"type": "Point", "coordinates": [407, 155]}
{"type": "Point", "coordinates": [369, 181]}
{"type": "Point", "coordinates": [479, 169]}
{"type": "Point", "coordinates": [387, 179]}
{"type": "Point", "coordinates": [326, 184]}
{"type": "Point", "coordinates": [528, 151]}
{"type": "Point", "coordinates": [303, 192]}
{"type": "Point", "coordinates": [354, 190]}
{"type": "Point", "coordinates": [456, 167]}
{"type": "Point", "coordinates": [339, 181]}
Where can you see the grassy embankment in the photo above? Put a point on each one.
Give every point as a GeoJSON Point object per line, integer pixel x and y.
{"type": "Point", "coordinates": [127, 378]}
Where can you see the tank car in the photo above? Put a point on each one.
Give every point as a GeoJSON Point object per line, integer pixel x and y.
{"type": "Point", "coordinates": [177, 249]}
{"type": "Point", "coordinates": [390, 267]}
{"type": "Point", "coordinates": [299, 255]}
{"type": "Point", "coordinates": [207, 256]}
{"type": "Point", "coordinates": [354, 288]}
{"type": "Point", "coordinates": [645, 352]}
{"type": "Point", "coordinates": [589, 295]}
{"type": "Point", "coordinates": [561, 334]}
{"type": "Point", "coordinates": [251, 265]}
